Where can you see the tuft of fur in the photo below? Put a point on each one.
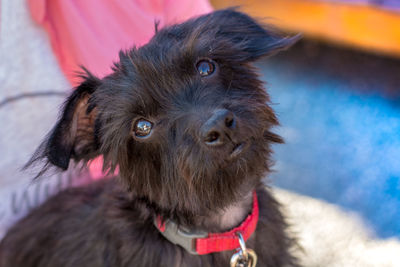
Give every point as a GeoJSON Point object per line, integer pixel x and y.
{"type": "Point", "coordinates": [171, 173]}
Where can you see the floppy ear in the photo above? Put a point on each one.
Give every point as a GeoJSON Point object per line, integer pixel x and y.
{"type": "Point", "coordinates": [240, 37]}
{"type": "Point", "coordinates": [74, 135]}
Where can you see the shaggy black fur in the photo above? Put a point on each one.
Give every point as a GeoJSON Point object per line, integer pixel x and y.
{"type": "Point", "coordinates": [184, 170]}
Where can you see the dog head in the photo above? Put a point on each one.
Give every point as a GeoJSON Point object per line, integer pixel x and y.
{"type": "Point", "coordinates": [185, 117]}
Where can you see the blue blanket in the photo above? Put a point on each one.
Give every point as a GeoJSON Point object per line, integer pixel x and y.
{"type": "Point", "coordinates": [342, 145]}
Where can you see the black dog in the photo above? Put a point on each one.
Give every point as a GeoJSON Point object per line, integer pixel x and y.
{"type": "Point", "coordinates": [187, 122]}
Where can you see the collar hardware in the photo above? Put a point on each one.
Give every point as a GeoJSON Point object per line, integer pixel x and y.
{"type": "Point", "coordinates": [244, 256]}
{"type": "Point", "coordinates": [180, 236]}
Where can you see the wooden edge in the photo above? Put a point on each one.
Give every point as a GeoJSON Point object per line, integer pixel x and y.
{"type": "Point", "coordinates": [356, 25]}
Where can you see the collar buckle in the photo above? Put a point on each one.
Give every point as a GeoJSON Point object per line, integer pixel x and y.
{"type": "Point", "coordinates": [181, 236]}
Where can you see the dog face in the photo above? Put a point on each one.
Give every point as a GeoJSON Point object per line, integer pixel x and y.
{"type": "Point", "coordinates": [185, 117]}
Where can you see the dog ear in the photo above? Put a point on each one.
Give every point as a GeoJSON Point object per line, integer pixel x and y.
{"type": "Point", "coordinates": [74, 135]}
{"type": "Point", "coordinates": [240, 37]}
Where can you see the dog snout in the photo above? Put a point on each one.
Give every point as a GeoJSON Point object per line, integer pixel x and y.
{"type": "Point", "coordinates": [219, 128]}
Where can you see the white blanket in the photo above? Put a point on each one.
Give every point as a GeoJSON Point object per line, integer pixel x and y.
{"type": "Point", "coordinates": [331, 237]}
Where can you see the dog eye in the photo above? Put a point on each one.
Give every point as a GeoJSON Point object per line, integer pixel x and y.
{"type": "Point", "coordinates": [205, 67]}
{"type": "Point", "coordinates": [142, 128]}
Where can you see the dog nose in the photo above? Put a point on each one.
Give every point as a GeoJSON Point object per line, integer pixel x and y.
{"type": "Point", "coordinates": [218, 129]}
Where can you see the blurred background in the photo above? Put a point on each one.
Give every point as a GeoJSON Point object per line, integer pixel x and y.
{"type": "Point", "coordinates": [336, 93]}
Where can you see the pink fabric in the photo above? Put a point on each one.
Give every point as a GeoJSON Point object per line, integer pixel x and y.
{"type": "Point", "coordinates": [91, 32]}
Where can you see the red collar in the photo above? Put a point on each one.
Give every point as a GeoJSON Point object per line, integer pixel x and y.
{"type": "Point", "coordinates": [204, 243]}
